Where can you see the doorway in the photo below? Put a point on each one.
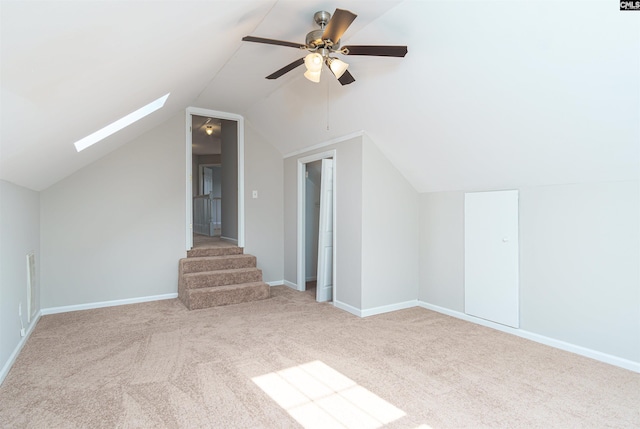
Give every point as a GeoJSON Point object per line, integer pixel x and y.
{"type": "Point", "coordinates": [215, 177]}
{"type": "Point", "coordinates": [316, 220]}
{"type": "Point", "coordinates": [313, 175]}
{"type": "Point", "coordinates": [207, 207]}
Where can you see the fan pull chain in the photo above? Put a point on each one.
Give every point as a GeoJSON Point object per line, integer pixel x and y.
{"type": "Point", "coordinates": [328, 105]}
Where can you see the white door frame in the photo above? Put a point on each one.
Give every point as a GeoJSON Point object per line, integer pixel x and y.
{"type": "Point", "coordinates": [301, 280]}
{"type": "Point", "coordinates": [189, 209]}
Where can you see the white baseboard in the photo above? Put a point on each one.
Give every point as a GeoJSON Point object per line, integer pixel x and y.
{"type": "Point", "coordinates": [311, 279]}
{"type": "Point", "coordinates": [347, 307]}
{"type": "Point", "coordinates": [276, 283]}
{"type": "Point", "coordinates": [12, 359]}
{"type": "Point", "coordinates": [231, 240]}
{"type": "Point", "coordinates": [92, 305]}
{"type": "Point", "coordinates": [290, 284]}
{"type": "Point", "coordinates": [388, 308]}
{"type": "Point", "coordinates": [376, 310]}
{"type": "Point", "coordinates": [562, 345]}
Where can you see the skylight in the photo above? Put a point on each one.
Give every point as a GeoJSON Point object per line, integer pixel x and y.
{"type": "Point", "coordinates": [121, 123]}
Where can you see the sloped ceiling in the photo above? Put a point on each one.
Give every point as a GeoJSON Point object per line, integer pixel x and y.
{"type": "Point", "coordinates": [491, 94]}
{"type": "Point", "coordinates": [71, 67]}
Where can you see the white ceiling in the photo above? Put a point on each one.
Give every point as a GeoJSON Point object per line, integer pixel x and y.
{"type": "Point", "coordinates": [491, 94]}
{"type": "Point", "coordinates": [201, 142]}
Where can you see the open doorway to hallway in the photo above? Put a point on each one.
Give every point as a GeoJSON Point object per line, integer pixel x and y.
{"type": "Point", "coordinates": [206, 158]}
{"type": "Point", "coordinates": [215, 212]}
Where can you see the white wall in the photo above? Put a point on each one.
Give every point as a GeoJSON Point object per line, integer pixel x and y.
{"type": "Point", "coordinates": [579, 262]}
{"type": "Point", "coordinates": [580, 259]}
{"type": "Point", "coordinates": [390, 242]}
{"type": "Point", "coordinates": [442, 249]}
{"type": "Point", "coordinates": [289, 217]}
{"type": "Point", "coordinates": [263, 215]}
{"type": "Point", "coordinates": [115, 229]}
{"type": "Point", "coordinates": [348, 246]}
{"type": "Point", "coordinates": [19, 236]}
{"type": "Point", "coordinates": [377, 245]}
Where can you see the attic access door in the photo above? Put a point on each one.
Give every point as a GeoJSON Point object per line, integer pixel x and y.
{"type": "Point", "coordinates": [491, 256]}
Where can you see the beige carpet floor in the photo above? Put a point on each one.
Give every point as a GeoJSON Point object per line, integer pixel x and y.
{"type": "Point", "coordinates": [291, 362]}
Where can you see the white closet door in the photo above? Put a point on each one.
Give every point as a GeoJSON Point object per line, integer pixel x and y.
{"type": "Point", "coordinates": [491, 256]}
{"type": "Point", "coordinates": [324, 288]}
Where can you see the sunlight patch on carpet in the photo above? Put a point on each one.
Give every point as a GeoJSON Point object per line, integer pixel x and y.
{"type": "Point", "coordinates": [318, 396]}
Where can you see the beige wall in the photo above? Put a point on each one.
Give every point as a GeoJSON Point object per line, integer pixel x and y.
{"type": "Point", "coordinates": [263, 215]}
{"type": "Point", "coordinates": [579, 253]}
{"type": "Point", "coordinates": [116, 228]}
{"type": "Point", "coordinates": [442, 249]}
{"type": "Point", "coordinates": [377, 247]}
{"type": "Point", "coordinates": [348, 246]}
{"type": "Point", "coordinates": [19, 236]}
{"type": "Point", "coordinates": [390, 242]}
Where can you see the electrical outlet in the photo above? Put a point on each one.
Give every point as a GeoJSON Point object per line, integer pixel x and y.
{"type": "Point", "coordinates": [255, 194]}
{"type": "Point", "coordinates": [20, 309]}
{"type": "Point", "coordinates": [22, 332]}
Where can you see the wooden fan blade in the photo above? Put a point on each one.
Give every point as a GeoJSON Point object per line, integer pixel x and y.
{"type": "Point", "coordinates": [377, 51]}
{"type": "Point", "coordinates": [286, 69]}
{"type": "Point", "coordinates": [338, 24]}
{"type": "Point", "coordinates": [346, 78]}
{"type": "Point", "coordinates": [273, 42]}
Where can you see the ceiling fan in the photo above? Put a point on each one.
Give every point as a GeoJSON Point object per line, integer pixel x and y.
{"type": "Point", "coordinates": [324, 43]}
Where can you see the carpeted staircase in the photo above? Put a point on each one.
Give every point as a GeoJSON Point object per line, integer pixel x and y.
{"type": "Point", "coordinates": [213, 276]}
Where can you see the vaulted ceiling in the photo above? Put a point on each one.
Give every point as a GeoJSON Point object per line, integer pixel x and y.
{"type": "Point", "coordinates": [491, 94]}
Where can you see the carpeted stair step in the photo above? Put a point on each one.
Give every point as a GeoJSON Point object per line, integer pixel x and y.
{"type": "Point", "coordinates": [212, 263]}
{"type": "Point", "coordinates": [212, 276]}
{"type": "Point", "coordinates": [221, 278]}
{"type": "Point", "coordinates": [214, 251]}
{"type": "Point", "coordinates": [225, 295]}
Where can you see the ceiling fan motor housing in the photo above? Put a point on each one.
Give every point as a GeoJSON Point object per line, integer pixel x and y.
{"type": "Point", "coordinates": [314, 38]}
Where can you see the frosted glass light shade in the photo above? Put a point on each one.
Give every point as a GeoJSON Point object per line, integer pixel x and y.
{"type": "Point", "coordinates": [313, 62]}
{"type": "Point", "coordinates": [312, 76]}
{"type": "Point", "coordinates": [338, 67]}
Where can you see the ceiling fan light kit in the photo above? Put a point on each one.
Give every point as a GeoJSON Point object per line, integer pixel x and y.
{"type": "Point", "coordinates": [312, 76]}
{"type": "Point", "coordinates": [323, 43]}
{"type": "Point", "coordinates": [337, 66]}
{"type": "Point", "coordinates": [313, 62]}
